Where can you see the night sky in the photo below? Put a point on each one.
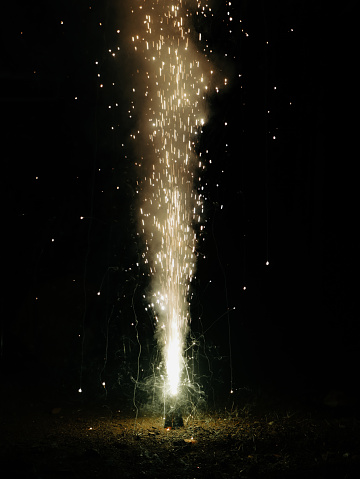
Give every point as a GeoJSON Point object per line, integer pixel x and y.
{"type": "Point", "coordinates": [280, 183]}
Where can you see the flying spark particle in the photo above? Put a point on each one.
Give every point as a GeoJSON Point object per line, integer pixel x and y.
{"type": "Point", "coordinates": [177, 78]}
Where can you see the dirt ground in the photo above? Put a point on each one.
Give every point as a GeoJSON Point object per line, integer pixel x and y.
{"type": "Point", "coordinates": [74, 441]}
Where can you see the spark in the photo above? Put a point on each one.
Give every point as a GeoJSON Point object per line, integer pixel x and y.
{"type": "Point", "coordinates": [175, 90]}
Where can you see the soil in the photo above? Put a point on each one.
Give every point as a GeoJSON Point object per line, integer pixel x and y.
{"type": "Point", "coordinates": [51, 440]}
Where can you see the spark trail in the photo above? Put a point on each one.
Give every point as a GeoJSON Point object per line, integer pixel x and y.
{"type": "Point", "coordinates": [170, 207]}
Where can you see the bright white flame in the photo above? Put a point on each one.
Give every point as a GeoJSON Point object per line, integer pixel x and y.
{"type": "Point", "coordinates": [173, 361]}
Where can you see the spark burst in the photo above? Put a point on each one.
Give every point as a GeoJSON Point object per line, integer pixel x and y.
{"type": "Point", "coordinates": [173, 111]}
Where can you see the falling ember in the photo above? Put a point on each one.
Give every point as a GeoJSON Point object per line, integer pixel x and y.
{"type": "Point", "coordinates": [171, 117]}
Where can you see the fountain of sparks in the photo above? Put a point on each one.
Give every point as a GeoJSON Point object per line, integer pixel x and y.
{"type": "Point", "coordinates": [170, 207]}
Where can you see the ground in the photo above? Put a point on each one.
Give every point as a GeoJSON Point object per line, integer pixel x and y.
{"type": "Point", "coordinates": [46, 439]}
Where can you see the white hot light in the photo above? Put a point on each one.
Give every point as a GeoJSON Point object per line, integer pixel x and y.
{"type": "Point", "coordinates": [173, 361]}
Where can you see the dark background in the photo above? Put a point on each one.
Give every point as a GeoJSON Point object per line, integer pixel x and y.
{"type": "Point", "coordinates": [291, 201]}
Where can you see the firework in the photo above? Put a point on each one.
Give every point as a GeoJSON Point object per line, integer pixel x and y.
{"type": "Point", "coordinates": [176, 82]}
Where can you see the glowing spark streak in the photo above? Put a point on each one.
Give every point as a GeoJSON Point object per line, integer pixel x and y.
{"type": "Point", "coordinates": [175, 87]}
